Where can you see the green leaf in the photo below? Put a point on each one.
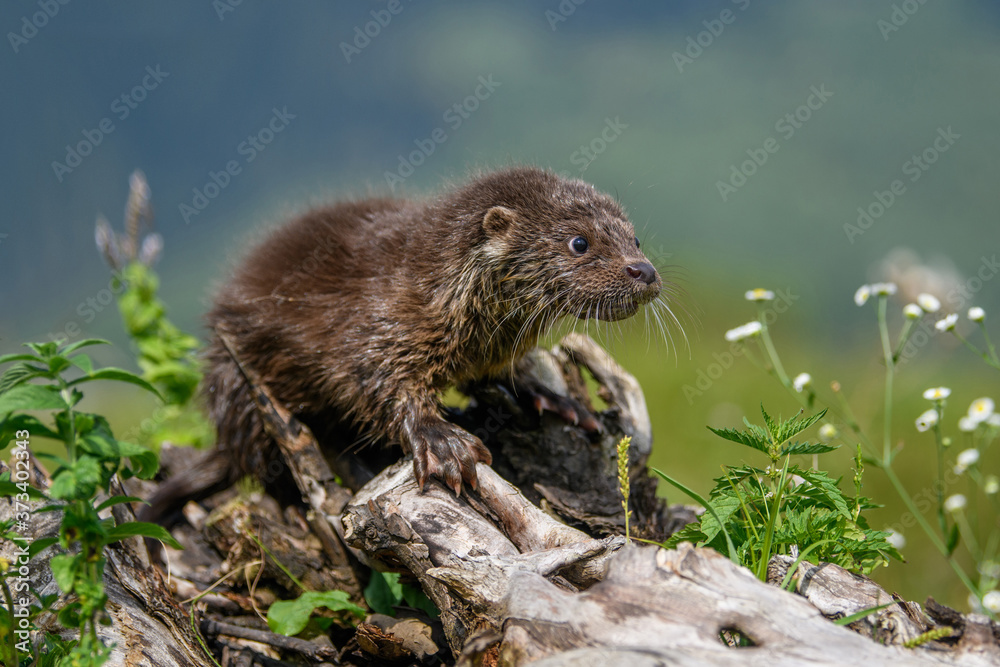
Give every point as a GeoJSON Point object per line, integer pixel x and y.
{"type": "Point", "coordinates": [22, 422]}
{"type": "Point", "coordinates": [689, 533]}
{"type": "Point", "coordinates": [77, 482]}
{"type": "Point", "coordinates": [64, 567]}
{"type": "Point", "coordinates": [83, 362]}
{"type": "Point", "coordinates": [953, 539]}
{"type": "Point", "coordinates": [143, 529]}
{"type": "Point", "coordinates": [806, 448]}
{"type": "Point", "coordinates": [118, 500]}
{"type": "Point", "coordinates": [40, 545]}
{"type": "Point", "coordinates": [22, 356]}
{"type": "Point", "coordinates": [826, 488]}
{"type": "Point", "coordinates": [18, 374]}
{"type": "Point", "coordinates": [383, 592]}
{"type": "Point", "coordinates": [43, 350]}
{"type": "Point", "coordinates": [57, 365]}
{"type": "Point", "coordinates": [289, 617]}
{"type": "Point", "coordinates": [773, 428]}
{"type": "Point", "coordinates": [31, 397]}
{"type": "Point", "coordinates": [416, 598]}
{"type": "Point", "coordinates": [742, 437]}
{"type": "Point", "coordinates": [118, 374]}
{"type": "Point", "coordinates": [9, 489]}
{"type": "Point", "coordinates": [144, 464]}
{"type": "Point", "coordinates": [794, 426]}
{"type": "Point", "coordinates": [857, 616]}
{"type": "Point", "coordinates": [708, 508]}
{"type": "Point", "coordinates": [86, 342]}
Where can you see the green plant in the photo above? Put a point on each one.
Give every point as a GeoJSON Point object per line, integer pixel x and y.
{"type": "Point", "coordinates": [166, 355]}
{"type": "Point", "coordinates": [980, 426]}
{"type": "Point", "coordinates": [785, 508]}
{"type": "Point", "coordinates": [384, 592]}
{"type": "Point", "coordinates": [623, 479]}
{"type": "Point", "coordinates": [39, 381]}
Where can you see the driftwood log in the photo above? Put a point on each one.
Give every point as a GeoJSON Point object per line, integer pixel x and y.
{"type": "Point", "coordinates": [530, 567]}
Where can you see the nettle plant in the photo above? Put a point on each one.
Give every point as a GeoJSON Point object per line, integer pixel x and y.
{"type": "Point", "coordinates": [754, 513]}
{"type": "Point", "coordinates": [40, 381]}
{"type": "Point", "coordinates": [957, 517]}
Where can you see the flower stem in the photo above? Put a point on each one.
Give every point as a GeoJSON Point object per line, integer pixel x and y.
{"type": "Point", "coordinates": [975, 350]}
{"type": "Point", "coordinates": [989, 343]}
{"type": "Point", "coordinates": [938, 544]}
{"type": "Point", "coordinates": [883, 328]}
{"type": "Point", "coordinates": [769, 346]}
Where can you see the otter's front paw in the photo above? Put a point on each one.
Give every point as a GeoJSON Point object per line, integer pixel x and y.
{"type": "Point", "coordinates": [567, 408]}
{"type": "Point", "coordinates": [447, 452]}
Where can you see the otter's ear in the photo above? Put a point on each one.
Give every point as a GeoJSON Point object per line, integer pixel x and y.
{"type": "Point", "coordinates": [498, 220]}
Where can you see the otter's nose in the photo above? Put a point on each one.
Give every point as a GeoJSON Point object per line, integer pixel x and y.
{"type": "Point", "coordinates": [643, 271]}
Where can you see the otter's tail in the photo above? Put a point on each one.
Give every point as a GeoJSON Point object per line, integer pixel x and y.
{"type": "Point", "coordinates": [208, 475]}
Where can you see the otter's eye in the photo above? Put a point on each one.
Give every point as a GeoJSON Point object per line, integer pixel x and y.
{"type": "Point", "coordinates": [636, 241]}
{"type": "Point", "coordinates": [579, 245]}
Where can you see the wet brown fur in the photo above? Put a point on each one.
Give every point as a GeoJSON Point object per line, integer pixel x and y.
{"type": "Point", "coordinates": [359, 314]}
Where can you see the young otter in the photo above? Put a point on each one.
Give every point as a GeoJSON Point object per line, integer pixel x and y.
{"type": "Point", "coordinates": [359, 314]}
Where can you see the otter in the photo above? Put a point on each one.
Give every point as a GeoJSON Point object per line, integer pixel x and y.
{"type": "Point", "coordinates": [358, 315]}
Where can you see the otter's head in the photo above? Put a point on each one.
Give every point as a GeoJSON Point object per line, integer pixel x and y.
{"type": "Point", "coordinates": [570, 249]}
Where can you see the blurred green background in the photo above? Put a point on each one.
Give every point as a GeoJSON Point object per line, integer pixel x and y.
{"type": "Point", "coordinates": [741, 136]}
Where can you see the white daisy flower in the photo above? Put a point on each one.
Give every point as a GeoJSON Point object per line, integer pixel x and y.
{"type": "Point", "coordinates": [745, 331]}
{"type": "Point", "coordinates": [912, 311]}
{"type": "Point", "coordinates": [977, 314]}
{"type": "Point", "coordinates": [967, 424]}
{"type": "Point", "coordinates": [928, 303]}
{"type": "Point", "coordinates": [896, 539]}
{"type": "Point", "coordinates": [827, 432]}
{"type": "Point", "coordinates": [861, 296]}
{"type": "Point", "coordinates": [937, 393]}
{"type": "Point", "coordinates": [884, 289]}
{"type": "Point", "coordinates": [801, 381]}
{"type": "Point", "coordinates": [927, 420]}
{"type": "Point", "coordinates": [954, 503]}
{"type": "Point", "coordinates": [991, 601]}
{"type": "Point", "coordinates": [991, 485]}
{"type": "Point", "coordinates": [981, 409]}
{"type": "Point", "coordinates": [759, 294]}
{"type": "Point", "coordinates": [965, 459]}
{"type": "Point", "coordinates": [947, 323]}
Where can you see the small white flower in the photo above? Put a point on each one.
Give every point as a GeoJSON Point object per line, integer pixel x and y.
{"type": "Point", "coordinates": [861, 296]}
{"type": "Point", "coordinates": [981, 409]}
{"type": "Point", "coordinates": [967, 424]}
{"type": "Point", "coordinates": [954, 503]}
{"type": "Point", "coordinates": [968, 457]}
{"type": "Point", "coordinates": [937, 393]}
{"type": "Point", "coordinates": [912, 311]}
{"type": "Point", "coordinates": [801, 381]}
{"type": "Point", "coordinates": [965, 459]}
{"type": "Point", "coordinates": [746, 331]}
{"type": "Point", "coordinates": [991, 485]}
{"type": "Point", "coordinates": [895, 539]}
{"type": "Point", "coordinates": [928, 303]}
{"type": "Point", "coordinates": [977, 314]}
{"type": "Point", "coordinates": [991, 601]}
{"type": "Point", "coordinates": [827, 432]}
{"type": "Point", "coordinates": [759, 294]}
{"type": "Point", "coordinates": [884, 289]}
{"type": "Point", "coordinates": [994, 420]}
{"type": "Point", "coordinates": [927, 420]}
{"type": "Point", "coordinates": [947, 323]}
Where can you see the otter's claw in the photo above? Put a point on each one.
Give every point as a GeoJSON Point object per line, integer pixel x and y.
{"type": "Point", "coordinates": [569, 409]}
{"type": "Point", "coordinates": [447, 452]}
